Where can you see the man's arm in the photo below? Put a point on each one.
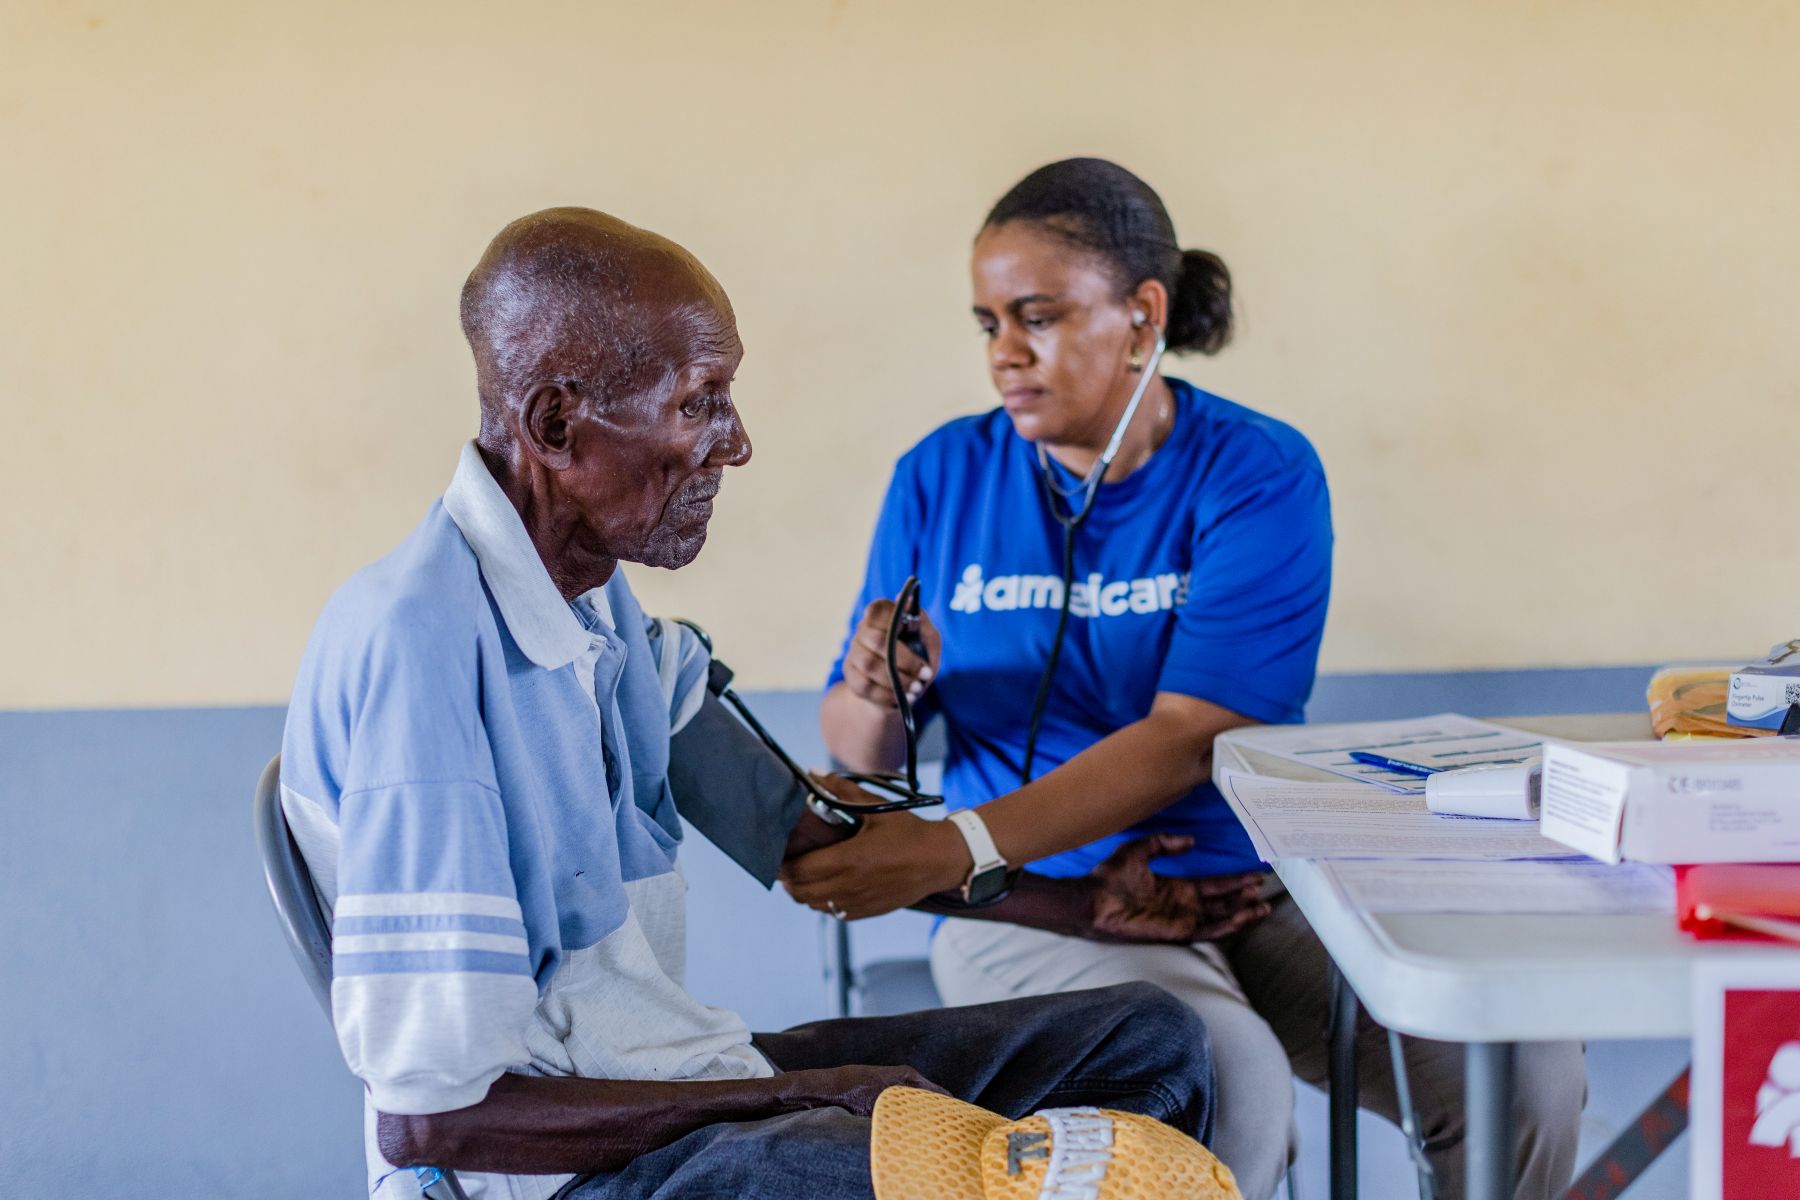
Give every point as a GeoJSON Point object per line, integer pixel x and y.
{"type": "Point", "coordinates": [1124, 778]}
{"type": "Point", "coordinates": [1124, 901]}
{"type": "Point", "coordinates": [552, 1125]}
{"type": "Point", "coordinates": [742, 797]}
{"type": "Point", "coordinates": [530, 1124]}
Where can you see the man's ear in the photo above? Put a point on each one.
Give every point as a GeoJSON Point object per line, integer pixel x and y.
{"type": "Point", "coordinates": [546, 424]}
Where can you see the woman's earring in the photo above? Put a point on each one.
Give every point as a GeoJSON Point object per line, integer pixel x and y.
{"type": "Point", "coordinates": [1136, 361]}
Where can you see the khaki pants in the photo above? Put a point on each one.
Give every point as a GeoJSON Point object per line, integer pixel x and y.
{"type": "Point", "coordinates": [1264, 996]}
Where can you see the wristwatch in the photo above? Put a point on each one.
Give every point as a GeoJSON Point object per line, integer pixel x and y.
{"type": "Point", "coordinates": [987, 879]}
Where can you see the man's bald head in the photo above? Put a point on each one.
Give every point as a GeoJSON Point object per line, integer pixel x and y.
{"type": "Point", "coordinates": [572, 295]}
{"type": "Point", "coordinates": [605, 357]}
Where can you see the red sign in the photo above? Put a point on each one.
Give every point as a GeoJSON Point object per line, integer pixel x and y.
{"type": "Point", "coordinates": [1760, 1123]}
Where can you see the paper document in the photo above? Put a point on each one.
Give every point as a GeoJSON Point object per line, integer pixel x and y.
{"type": "Point", "coordinates": [1584, 888]}
{"type": "Point", "coordinates": [1286, 819]}
{"type": "Point", "coordinates": [1441, 743]}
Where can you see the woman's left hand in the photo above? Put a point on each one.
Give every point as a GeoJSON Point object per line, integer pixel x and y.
{"type": "Point", "coordinates": [894, 860]}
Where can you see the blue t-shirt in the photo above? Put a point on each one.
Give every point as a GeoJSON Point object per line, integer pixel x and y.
{"type": "Point", "coordinates": [1205, 572]}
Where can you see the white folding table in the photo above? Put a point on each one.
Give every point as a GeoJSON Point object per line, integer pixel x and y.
{"type": "Point", "coordinates": [1486, 980]}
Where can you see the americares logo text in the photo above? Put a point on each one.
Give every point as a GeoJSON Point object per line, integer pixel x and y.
{"type": "Point", "coordinates": [1094, 596]}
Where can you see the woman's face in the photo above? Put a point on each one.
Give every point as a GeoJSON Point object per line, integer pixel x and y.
{"type": "Point", "coordinates": [1058, 334]}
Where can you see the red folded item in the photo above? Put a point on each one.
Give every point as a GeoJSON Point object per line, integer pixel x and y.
{"type": "Point", "coordinates": [1755, 902]}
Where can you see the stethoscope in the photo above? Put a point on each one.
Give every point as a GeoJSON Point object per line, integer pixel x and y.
{"type": "Point", "coordinates": [1070, 516]}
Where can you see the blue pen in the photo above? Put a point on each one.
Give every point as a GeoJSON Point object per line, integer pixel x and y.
{"type": "Point", "coordinates": [1392, 764]}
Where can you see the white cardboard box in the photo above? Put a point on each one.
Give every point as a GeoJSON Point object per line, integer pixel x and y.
{"type": "Point", "coordinates": [1675, 802]}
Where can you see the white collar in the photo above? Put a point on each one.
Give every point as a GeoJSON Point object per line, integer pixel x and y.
{"type": "Point", "coordinates": [536, 615]}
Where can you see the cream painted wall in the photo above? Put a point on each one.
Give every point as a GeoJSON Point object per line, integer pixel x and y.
{"type": "Point", "coordinates": [1525, 273]}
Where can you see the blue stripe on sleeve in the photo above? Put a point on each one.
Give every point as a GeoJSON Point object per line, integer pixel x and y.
{"type": "Point", "coordinates": [434, 923]}
{"type": "Point", "coordinates": [430, 962]}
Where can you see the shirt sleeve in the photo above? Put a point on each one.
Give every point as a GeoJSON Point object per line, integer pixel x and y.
{"type": "Point", "coordinates": [432, 988]}
{"type": "Point", "coordinates": [893, 553]}
{"type": "Point", "coordinates": [682, 663]}
{"type": "Point", "coordinates": [1247, 631]}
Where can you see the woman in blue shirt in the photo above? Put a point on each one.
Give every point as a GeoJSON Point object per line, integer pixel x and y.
{"type": "Point", "coordinates": [1170, 552]}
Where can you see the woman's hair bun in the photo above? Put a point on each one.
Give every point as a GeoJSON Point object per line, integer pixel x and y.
{"type": "Point", "coordinates": [1200, 304]}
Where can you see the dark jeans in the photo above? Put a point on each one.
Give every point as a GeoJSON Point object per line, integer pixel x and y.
{"type": "Point", "coordinates": [1131, 1047]}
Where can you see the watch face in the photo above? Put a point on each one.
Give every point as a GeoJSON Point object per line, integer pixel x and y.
{"type": "Point", "coordinates": [989, 885]}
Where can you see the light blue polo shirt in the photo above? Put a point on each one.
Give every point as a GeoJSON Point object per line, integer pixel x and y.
{"type": "Point", "coordinates": [475, 770]}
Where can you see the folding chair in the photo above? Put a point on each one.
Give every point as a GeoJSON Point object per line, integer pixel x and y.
{"type": "Point", "coordinates": [882, 988]}
{"type": "Point", "coordinates": [307, 932]}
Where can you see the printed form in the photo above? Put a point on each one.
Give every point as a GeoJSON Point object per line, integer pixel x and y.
{"type": "Point", "coordinates": [1585, 888]}
{"type": "Point", "coordinates": [1286, 819]}
{"type": "Point", "coordinates": [1441, 743]}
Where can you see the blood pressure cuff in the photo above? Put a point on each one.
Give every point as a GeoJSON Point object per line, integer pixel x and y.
{"type": "Point", "coordinates": [733, 789]}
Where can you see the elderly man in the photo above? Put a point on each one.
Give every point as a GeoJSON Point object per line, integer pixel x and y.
{"type": "Point", "coordinates": [477, 768]}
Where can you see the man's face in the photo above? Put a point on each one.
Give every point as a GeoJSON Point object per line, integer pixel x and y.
{"type": "Point", "coordinates": [648, 459]}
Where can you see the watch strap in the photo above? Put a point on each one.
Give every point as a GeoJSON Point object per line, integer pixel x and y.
{"type": "Point", "coordinates": [982, 852]}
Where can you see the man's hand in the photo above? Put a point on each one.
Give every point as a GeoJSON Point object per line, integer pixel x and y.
{"type": "Point", "coordinates": [1132, 904]}
{"type": "Point", "coordinates": [865, 664]}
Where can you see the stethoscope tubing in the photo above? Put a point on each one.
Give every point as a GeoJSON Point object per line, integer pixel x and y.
{"type": "Point", "coordinates": [1089, 490]}
{"type": "Point", "coordinates": [1089, 487]}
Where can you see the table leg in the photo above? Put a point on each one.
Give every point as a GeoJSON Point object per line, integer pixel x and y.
{"type": "Point", "coordinates": [1488, 1094]}
{"type": "Point", "coordinates": [1342, 1082]}
{"type": "Point", "coordinates": [1409, 1118]}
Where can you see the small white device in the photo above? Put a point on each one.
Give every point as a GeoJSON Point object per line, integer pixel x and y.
{"type": "Point", "coordinates": [1510, 790]}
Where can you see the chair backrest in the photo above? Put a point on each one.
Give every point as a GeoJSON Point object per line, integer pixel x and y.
{"type": "Point", "coordinates": [291, 888]}
{"type": "Point", "coordinates": [308, 933]}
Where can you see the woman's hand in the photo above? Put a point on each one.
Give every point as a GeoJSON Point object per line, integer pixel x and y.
{"type": "Point", "coordinates": [865, 664]}
{"type": "Point", "coordinates": [1133, 904]}
{"type": "Point", "coordinates": [895, 859]}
